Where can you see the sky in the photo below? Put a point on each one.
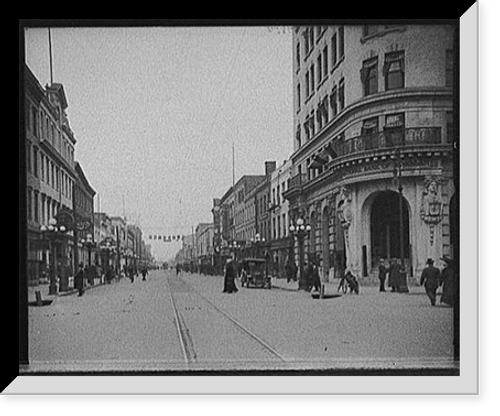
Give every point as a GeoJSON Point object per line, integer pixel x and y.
{"type": "Point", "coordinates": [155, 111]}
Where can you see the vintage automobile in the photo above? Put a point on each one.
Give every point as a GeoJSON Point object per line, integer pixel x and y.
{"type": "Point", "coordinates": [254, 273]}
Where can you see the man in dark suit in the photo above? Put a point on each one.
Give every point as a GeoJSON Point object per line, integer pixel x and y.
{"type": "Point", "coordinates": [431, 276]}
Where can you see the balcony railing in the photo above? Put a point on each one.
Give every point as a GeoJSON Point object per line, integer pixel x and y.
{"type": "Point", "coordinates": [412, 136]}
{"type": "Point", "coordinates": [409, 137]}
{"type": "Point", "coordinates": [297, 180]}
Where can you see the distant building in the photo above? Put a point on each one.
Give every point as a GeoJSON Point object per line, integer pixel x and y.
{"type": "Point", "coordinates": [281, 243]}
{"type": "Point", "coordinates": [83, 209]}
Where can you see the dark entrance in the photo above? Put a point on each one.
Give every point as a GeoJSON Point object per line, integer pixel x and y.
{"type": "Point", "coordinates": [385, 227]}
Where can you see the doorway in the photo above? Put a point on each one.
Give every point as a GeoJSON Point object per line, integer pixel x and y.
{"type": "Point", "coordinates": [385, 228]}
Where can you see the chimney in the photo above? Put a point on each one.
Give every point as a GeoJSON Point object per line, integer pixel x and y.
{"type": "Point", "coordinates": [270, 167]}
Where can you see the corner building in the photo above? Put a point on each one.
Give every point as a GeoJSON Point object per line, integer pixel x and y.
{"type": "Point", "coordinates": [373, 114]}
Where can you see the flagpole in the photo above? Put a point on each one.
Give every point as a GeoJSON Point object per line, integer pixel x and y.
{"type": "Point", "coordinates": [50, 58]}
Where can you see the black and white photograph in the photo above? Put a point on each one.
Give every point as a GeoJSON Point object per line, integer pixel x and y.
{"type": "Point", "coordinates": [242, 199]}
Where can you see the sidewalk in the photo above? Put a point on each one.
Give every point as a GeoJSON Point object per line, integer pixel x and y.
{"type": "Point", "coordinates": [44, 291]}
{"type": "Point", "coordinates": [332, 285]}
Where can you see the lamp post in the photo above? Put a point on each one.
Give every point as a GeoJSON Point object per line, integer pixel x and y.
{"type": "Point", "coordinates": [53, 232]}
{"type": "Point", "coordinates": [403, 286]}
{"type": "Point", "coordinates": [301, 230]}
{"type": "Point", "coordinates": [257, 242]}
{"type": "Point", "coordinates": [234, 246]}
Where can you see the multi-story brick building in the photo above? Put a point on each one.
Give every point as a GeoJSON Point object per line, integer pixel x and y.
{"type": "Point", "coordinates": [83, 209]}
{"type": "Point", "coordinates": [373, 109]}
{"type": "Point", "coordinates": [281, 242]}
{"type": "Point", "coordinates": [50, 175]}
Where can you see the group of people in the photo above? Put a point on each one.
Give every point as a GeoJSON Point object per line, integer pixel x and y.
{"type": "Point", "coordinates": [394, 270]}
{"type": "Point", "coordinates": [86, 273]}
{"type": "Point", "coordinates": [432, 278]}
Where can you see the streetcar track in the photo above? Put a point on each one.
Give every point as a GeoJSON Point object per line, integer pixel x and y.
{"type": "Point", "coordinates": [186, 341]}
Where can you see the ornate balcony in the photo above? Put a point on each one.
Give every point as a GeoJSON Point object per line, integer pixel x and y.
{"type": "Point", "coordinates": [370, 153]}
{"type": "Point", "coordinates": [413, 136]}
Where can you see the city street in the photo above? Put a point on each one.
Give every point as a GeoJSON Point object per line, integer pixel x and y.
{"type": "Point", "coordinates": [185, 322]}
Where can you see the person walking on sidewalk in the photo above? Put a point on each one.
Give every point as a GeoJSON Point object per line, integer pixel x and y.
{"type": "Point", "coordinates": [79, 279]}
{"type": "Point", "coordinates": [431, 276]}
{"type": "Point", "coordinates": [314, 276]}
{"type": "Point", "coordinates": [144, 272]}
{"type": "Point", "coordinates": [448, 280]}
{"type": "Point", "coordinates": [382, 272]}
{"type": "Point", "coordinates": [394, 275]}
{"type": "Point", "coordinates": [229, 276]}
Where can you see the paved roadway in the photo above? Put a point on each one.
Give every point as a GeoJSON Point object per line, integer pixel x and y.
{"type": "Point", "coordinates": [133, 326]}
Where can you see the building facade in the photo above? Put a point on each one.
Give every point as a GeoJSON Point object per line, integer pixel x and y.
{"type": "Point", "coordinates": [373, 115]}
{"type": "Point", "coordinates": [83, 208]}
{"type": "Point", "coordinates": [281, 242]}
{"type": "Point", "coordinates": [50, 176]}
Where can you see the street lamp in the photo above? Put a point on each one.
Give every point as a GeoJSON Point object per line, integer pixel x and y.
{"type": "Point", "coordinates": [301, 230]}
{"type": "Point", "coordinates": [403, 286]}
{"type": "Point", "coordinates": [52, 232]}
{"type": "Point", "coordinates": [255, 244]}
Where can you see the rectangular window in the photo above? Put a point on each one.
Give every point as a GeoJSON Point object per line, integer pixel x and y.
{"type": "Point", "coordinates": [298, 97]}
{"type": "Point", "coordinates": [394, 130]}
{"type": "Point", "coordinates": [36, 208]}
{"type": "Point", "coordinates": [320, 68]}
{"type": "Point", "coordinates": [341, 95]}
{"type": "Point", "coordinates": [308, 83]}
{"type": "Point", "coordinates": [34, 122]}
{"type": "Point", "coordinates": [297, 54]}
{"type": "Point", "coordinates": [29, 206]}
{"type": "Point", "coordinates": [334, 49]}
{"type": "Point", "coordinates": [28, 157]}
{"type": "Point", "coordinates": [35, 162]}
{"type": "Point", "coordinates": [369, 76]}
{"type": "Point", "coordinates": [312, 79]}
{"type": "Point", "coordinates": [394, 70]}
{"type": "Point", "coordinates": [44, 210]}
{"type": "Point", "coordinates": [333, 101]}
{"type": "Point", "coordinates": [325, 61]}
{"type": "Point", "coordinates": [42, 166]}
{"type": "Point", "coordinates": [341, 42]}
{"type": "Point", "coordinates": [305, 33]}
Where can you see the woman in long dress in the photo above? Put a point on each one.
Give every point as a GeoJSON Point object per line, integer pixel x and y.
{"type": "Point", "coordinates": [229, 276]}
{"type": "Point", "coordinates": [448, 280]}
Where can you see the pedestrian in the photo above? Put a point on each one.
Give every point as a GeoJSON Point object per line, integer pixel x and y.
{"type": "Point", "coordinates": [431, 277]}
{"type": "Point", "coordinates": [382, 271]}
{"type": "Point", "coordinates": [144, 272]}
{"type": "Point", "coordinates": [291, 270]}
{"type": "Point", "coordinates": [79, 279]}
{"type": "Point", "coordinates": [314, 276]}
{"type": "Point", "coordinates": [448, 281]}
{"type": "Point", "coordinates": [229, 276]}
{"type": "Point", "coordinates": [394, 271]}
{"type": "Point", "coordinates": [307, 274]}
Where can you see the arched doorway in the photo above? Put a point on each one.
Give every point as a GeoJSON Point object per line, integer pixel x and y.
{"type": "Point", "coordinates": [385, 227]}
